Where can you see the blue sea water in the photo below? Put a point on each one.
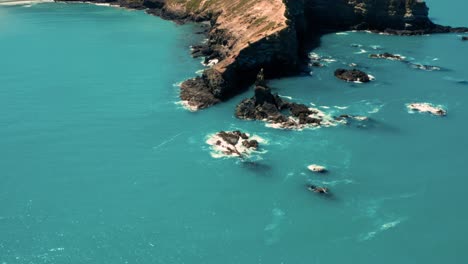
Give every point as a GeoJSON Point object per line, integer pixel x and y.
{"type": "Point", "coordinates": [99, 164]}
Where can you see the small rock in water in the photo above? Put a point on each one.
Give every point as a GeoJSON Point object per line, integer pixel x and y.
{"type": "Point", "coordinates": [353, 75]}
{"type": "Point", "coordinates": [233, 144]}
{"type": "Point", "coordinates": [318, 189]}
{"type": "Point", "coordinates": [424, 67]}
{"type": "Point", "coordinates": [317, 168]}
{"type": "Point", "coordinates": [427, 108]}
{"type": "Point", "coordinates": [465, 38]}
{"type": "Point", "coordinates": [316, 64]}
{"type": "Point", "coordinates": [387, 56]}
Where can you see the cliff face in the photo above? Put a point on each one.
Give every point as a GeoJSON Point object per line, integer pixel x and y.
{"type": "Point", "coordinates": [247, 35]}
{"type": "Point", "coordinates": [369, 14]}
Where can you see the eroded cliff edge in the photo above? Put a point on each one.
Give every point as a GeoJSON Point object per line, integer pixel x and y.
{"type": "Point", "coordinates": [247, 35]}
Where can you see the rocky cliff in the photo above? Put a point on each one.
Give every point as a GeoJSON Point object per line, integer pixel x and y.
{"type": "Point", "coordinates": [247, 35]}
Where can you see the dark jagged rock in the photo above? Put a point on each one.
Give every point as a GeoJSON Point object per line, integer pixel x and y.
{"type": "Point", "coordinates": [353, 75]}
{"type": "Point", "coordinates": [250, 144]}
{"type": "Point", "coordinates": [230, 137]}
{"type": "Point", "coordinates": [201, 51]}
{"type": "Point", "coordinates": [196, 95]}
{"type": "Point", "coordinates": [387, 56]}
{"type": "Point", "coordinates": [464, 38]}
{"type": "Point", "coordinates": [318, 189]}
{"type": "Point", "coordinates": [271, 108]}
{"type": "Point", "coordinates": [316, 64]}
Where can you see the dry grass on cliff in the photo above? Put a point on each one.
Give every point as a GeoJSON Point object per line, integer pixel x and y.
{"type": "Point", "coordinates": [247, 21]}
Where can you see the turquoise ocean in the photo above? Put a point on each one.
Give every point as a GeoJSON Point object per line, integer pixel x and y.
{"type": "Point", "coordinates": [100, 164]}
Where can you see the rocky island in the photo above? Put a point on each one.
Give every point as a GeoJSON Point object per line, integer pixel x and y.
{"type": "Point", "coordinates": [245, 36]}
{"type": "Point", "coordinates": [233, 144]}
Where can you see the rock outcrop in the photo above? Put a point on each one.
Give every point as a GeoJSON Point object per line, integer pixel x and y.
{"type": "Point", "coordinates": [247, 35]}
{"type": "Point", "coordinates": [353, 75]}
{"type": "Point", "coordinates": [396, 57]}
{"type": "Point", "coordinates": [233, 144]}
{"type": "Point", "coordinates": [279, 113]}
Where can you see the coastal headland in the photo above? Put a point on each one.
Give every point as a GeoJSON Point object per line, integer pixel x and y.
{"type": "Point", "coordinates": [245, 36]}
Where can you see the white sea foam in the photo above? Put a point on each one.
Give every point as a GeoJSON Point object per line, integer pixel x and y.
{"type": "Point", "coordinates": [212, 62]}
{"type": "Point", "coordinates": [341, 107]}
{"type": "Point", "coordinates": [177, 84]}
{"type": "Point", "coordinates": [314, 56]}
{"type": "Point", "coordinates": [272, 229]}
{"type": "Point", "coordinates": [426, 108]}
{"type": "Point", "coordinates": [370, 107]}
{"type": "Point", "coordinates": [317, 168]}
{"type": "Point", "coordinates": [362, 51]}
{"type": "Point", "coordinates": [166, 141]}
{"type": "Point", "coordinates": [383, 227]}
{"type": "Point", "coordinates": [287, 97]}
{"type": "Point", "coordinates": [25, 3]}
{"type": "Point", "coordinates": [341, 33]}
{"type": "Point", "coordinates": [187, 106]}
{"type": "Point", "coordinates": [329, 60]}
{"type": "Point", "coordinates": [327, 121]}
{"type": "Point", "coordinates": [371, 78]}
{"type": "Point", "coordinates": [56, 249]}
{"type": "Point", "coordinates": [374, 110]}
{"type": "Point", "coordinates": [337, 182]}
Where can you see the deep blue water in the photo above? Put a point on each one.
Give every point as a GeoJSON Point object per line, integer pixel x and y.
{"type": "Point", "coordinates": [99, 164]}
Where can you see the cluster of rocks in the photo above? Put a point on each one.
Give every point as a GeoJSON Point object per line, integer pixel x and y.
{"type": "Point", "coordinates": [279, 113]}
{"type": "Point", "coordinates": [313, 188]}
{"type": "Point", "coordinates": [427, 108]}
{"type": "Point", "coordinates": [397, 57]}
{"type": "Point", "coordinates": [387, 56]}
{"type": "Point", "coordinates": [233, 144]}
{"type": "Point", "coordinates": [353, 75]}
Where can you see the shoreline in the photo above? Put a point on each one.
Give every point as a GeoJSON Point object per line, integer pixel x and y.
{"type": "Point", "coordinates": [287, 35]}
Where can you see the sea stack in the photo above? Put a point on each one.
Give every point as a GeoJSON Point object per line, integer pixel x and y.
{"type": "Point", "coordinates": [279, 113]}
